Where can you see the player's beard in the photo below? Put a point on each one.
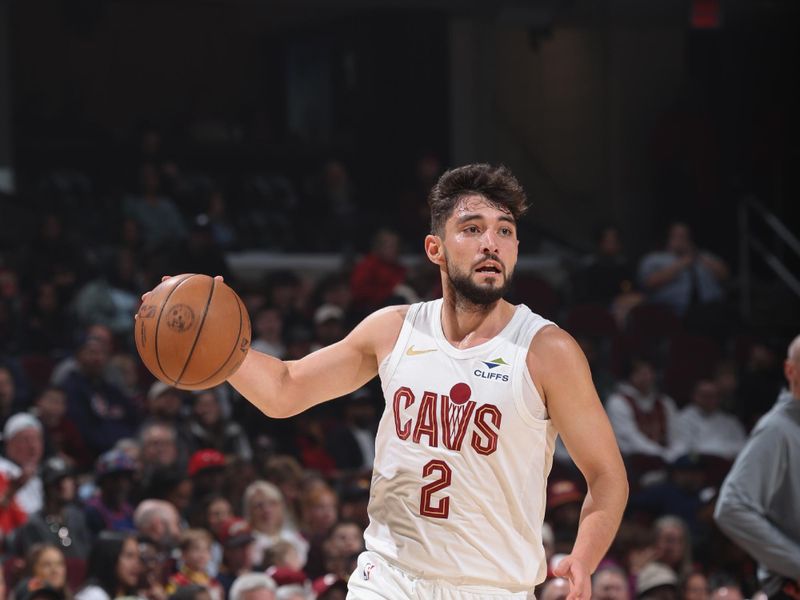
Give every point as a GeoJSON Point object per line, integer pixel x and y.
{"type": "Point", "coordinates": [469, 293]}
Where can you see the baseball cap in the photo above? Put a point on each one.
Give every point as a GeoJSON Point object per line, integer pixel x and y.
{"type": "Point", "coordinates": [205, 459]}
{"type": "Point", "coordinates": [158, 388]}
{"type": "Point", "coordinates": [562, 492]}
{"type": "Point", "coordinates": [328, 312]}
{"type": "Point", "coordinates": [114, 461]}
{"type": "Point", "coordinates": [234, 532]}
{"type": "Point", "coordinates": [655, 575]}
{"type": "Point", "coordinates": [20, 422]}
{"type": "Point", "coordinates": [54, 469]}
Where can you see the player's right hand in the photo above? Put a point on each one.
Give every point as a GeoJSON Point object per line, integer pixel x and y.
{"type": "Point", "coordinates": [580, 582]}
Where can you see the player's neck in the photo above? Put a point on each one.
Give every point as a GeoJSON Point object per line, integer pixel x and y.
{"type": "Point", "coordinates": [468, 325]}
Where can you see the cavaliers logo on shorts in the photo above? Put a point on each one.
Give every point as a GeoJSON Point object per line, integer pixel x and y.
{"type": "Point", "coordinates": [180, 318]}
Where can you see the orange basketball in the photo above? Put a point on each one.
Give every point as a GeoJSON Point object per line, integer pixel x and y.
{"type": "Point", "coordinates": [193, 331]}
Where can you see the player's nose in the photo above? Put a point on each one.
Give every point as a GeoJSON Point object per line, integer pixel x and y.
{"type": "Point", "coordinates": [489, 242]}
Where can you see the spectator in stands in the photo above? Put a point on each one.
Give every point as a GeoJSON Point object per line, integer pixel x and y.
{"type": "Point", "coordinates": [554, 589]}
{"type": "Point", "coordinates": [695, 586]}
{"type": "Point", "coordinates": [760, 382]}
{"type": "Point", "coordinates": [60, 522]}
{"type": "Point", "coordinates": [352, 445]}
{"type": "Point", "coordinates": [100, 411]}
{"type": "Point", "coordinates": [70, 364]}
{"type": "Point", "coordinates": [605, 274]}
{"type": "Point", "coordinates": [328, 326]}
{"type": "Point", "coordinates": [684, 494]}
{"type": "Point", "coordinates": [216, 511]}
{"type": "Point", "coordinates": [353, 502]}
{"type": "Point", "coordinates": [222, 230]}
{"type": "Point", "coordinates": [335, 290]}
{"type": "Point", "coordinates": [45, 567]}
{"type": "Point", "coordinates": [201, 254]}
{"type": "Point", "coordinates": [674, 544]}
{"type": "Point", "coordinates": [291, 592]}
{"type": "Point", "coordinates": [284, 292]}
{"type": "Point", "coordinates": [191, 592]}
{"type": "Point", "coordinates": [724, 587]}
{"type": "Point", "coordinates": [253, 586]}
{"type": "Point", "coordinates": [757, 506]}
{"type": "Point", "coordinates": [703, 428]}
{"type": "Point", "coordinates": [657, 581]}
{"type": "Point", "coordinates": [11, 515]}
{"type": "Point", "coordinates": [610, 583]}
{"type": "Point", "coordinates": [158, 521]}
{"type": "Point", "coordinates": [195, 547]}
{"type": "Point", "coordinates": [114, 568]}
{"type": "Point", "coordinates": [9, 403]}
{"type": "Point", "coordinates": [109, 508]}
{"type": "Point", "coordinates": [207, 471]}
{"type": "Point", "coordinates": [377, 275]}
{"type": "Point", "coordinates": [268, 332]}
{"type": "Point", "coordinates": [103, 300]}
{"type": "Point", "coordinates": [237, 540]}
{"type": "Point", "coordinates": [173, 485]}
{"type": "Point", "coordinates": [642, 417]}
{"type": "Point", "coordinates": [164, 403]}
{"type": "Point", "coordinates": [61, 436]}
{"type": "Point", "coordinates": [160, 222]}
{"type": "Point", "coordinates": [318, 516]}
{"type": "Point", "coordinates": [346, 539]}
{"type": "Point", "coordinates": [24, 449]}
{"type": "Point", "coordinates": [682, 276]}
{"type": "Point", "coordinates": [208, 428]}
{"type": "Point", "coordinates": [53, 256]}
{"type": "Point", "coordinates": [286, 473]}
{"type": "Point", "coordinates": [159, 446]}
{"type": "Point", "coordinates": [156, 568]}
{"type": "Point", "coordinates": [46, 329]}
{"type": "Point", "coordinates": [264, 510]}
{"type": "Point", "coordinates": [564, 501]}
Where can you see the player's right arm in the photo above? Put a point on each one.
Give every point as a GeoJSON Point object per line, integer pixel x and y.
{"type": "Point", "coordinates": [285, 388]}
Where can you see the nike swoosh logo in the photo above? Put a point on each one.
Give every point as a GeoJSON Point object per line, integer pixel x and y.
{"type": "Point", "coordinates": [412, 352]}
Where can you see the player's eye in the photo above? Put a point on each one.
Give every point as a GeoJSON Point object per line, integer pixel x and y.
{"type": "Point", "coordinates": [505, 231]}
{"type": "Point", "coordinates": [472, 229]}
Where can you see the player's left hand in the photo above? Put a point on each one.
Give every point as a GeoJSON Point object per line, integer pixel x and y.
{"type": "Point", "coordinates": [580, 582]}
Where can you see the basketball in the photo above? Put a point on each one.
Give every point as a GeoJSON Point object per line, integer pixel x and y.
{"type": "Point", "coordinates": [193, 331]}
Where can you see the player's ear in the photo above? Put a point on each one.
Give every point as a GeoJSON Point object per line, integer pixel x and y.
{"type": "Point", "coordinates": [434, 249]}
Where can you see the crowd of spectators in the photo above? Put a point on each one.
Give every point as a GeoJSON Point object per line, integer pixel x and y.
{"type": "Point", "coordinates": [113, 484]}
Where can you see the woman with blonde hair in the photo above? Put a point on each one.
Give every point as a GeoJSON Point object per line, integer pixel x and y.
{"type": "Point", "coordinates": [265, 511]}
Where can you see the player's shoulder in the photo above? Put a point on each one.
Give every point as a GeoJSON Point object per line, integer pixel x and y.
{"type": "Point", "coordinates": [379, 331]}
{"type": "Point", "coordinates": [553, 349]}
{"type": "Point", "coordinates": [384, 322]}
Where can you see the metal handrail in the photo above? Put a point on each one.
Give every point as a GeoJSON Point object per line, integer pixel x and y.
{"type": "Point", "coordinates": [748, 242]}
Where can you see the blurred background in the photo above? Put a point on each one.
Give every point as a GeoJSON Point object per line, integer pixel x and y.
{"type": "Point", "coordinates": [290, 147]}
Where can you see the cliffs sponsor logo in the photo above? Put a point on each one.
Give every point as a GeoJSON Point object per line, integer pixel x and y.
{"type": "Point", "coordinates": [492, 370]}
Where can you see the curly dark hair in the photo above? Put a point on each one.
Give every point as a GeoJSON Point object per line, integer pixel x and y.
{"type": "Point", "coordinates": [494, 183]}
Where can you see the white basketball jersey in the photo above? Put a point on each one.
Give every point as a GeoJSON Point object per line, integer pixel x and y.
{"type": "Point", "coordinates": [463, 451]}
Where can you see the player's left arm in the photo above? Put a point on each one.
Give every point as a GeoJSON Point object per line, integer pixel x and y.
{"type": "Point", "coordinates": [559, 368]}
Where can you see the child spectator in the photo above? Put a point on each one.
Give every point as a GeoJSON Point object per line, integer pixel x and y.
{"type": "Point", "coordinates": [195, 547]}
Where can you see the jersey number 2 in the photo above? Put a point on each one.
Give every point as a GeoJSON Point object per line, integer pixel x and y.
{"type": "Point", "coordinates": [427, 508]}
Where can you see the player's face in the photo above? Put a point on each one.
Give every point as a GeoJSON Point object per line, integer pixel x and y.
{"type": "Point", "coordinates": [480, 248]}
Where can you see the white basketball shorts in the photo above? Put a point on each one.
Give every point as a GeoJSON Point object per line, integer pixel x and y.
{"type": "Point", "coordinates": [375, 579]}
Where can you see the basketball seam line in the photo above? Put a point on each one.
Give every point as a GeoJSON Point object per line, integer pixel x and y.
{"type": "Point", "coordinates": [235, 346]}
{"type": "Point", "coordinates": [199, 329]}
{"type": "Point", "coordinates": [158, 324]}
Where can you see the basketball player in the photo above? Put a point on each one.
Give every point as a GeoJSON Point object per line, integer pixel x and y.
{"type": "Point", "coordinates": [476, 390]}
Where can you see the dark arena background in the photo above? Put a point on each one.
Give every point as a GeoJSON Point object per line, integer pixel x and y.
{"type": "Point", "coordinates": [290, 146]}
